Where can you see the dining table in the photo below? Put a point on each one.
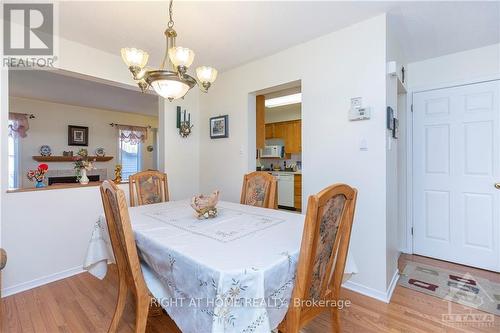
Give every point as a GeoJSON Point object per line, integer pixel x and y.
{"type": "Point", "coordinates": [231, 273]}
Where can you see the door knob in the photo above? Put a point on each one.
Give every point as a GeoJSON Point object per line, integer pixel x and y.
{"type": "Point", "coordinates": [497, 186]}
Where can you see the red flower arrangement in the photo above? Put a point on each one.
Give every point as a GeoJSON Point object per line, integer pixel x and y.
{"type": "Point", "coordinates": [39, 174]}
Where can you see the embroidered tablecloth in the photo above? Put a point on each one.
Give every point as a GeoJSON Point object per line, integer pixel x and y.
{"type": "Point", "coordinates": [233, 273]}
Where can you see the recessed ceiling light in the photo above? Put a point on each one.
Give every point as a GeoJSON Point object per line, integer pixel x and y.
{"type": "Point", "coordinates": [283, 100]}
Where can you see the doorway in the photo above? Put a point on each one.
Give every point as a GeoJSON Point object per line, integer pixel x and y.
{"type": "Point", "coordinates": [279, 141]}
{"type": "Point", "coordinates": [456, 174]}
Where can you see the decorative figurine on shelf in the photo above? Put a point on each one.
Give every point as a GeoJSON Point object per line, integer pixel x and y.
{"type": "Point", "coordinates": [83, 164]}
{"type": "Point", "coordinates": [118, 174]}
{"type": "Point", "coordinates": [204, 205]}
{"type": "Point", "coordinates": [83, 152]}
{"type": "Point", "coordinates": [38, 175]}
{"type": "Point", "coordinates": [184, 125]}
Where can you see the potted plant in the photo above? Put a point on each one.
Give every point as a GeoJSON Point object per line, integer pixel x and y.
{"type": "Point", "coordinates": [38, 175]}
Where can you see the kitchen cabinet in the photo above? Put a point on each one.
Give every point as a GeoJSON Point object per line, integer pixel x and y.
{"type": "Point", "coordinates": [297, 190]}
{"type": "Point", "coordinates": [261, 136]}
{"type": "Point", "coordinates": [289, 131]}
{"type": "Point", "coordinates": [269, 131]}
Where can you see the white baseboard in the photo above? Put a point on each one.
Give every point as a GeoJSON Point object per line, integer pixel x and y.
{"type": "Point", "coordinates": [373, 293]}
{"type": "Point", "coordinates": [40, 281]}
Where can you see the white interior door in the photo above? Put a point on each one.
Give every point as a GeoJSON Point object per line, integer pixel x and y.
{"type": "Point", "coordinates": [455, 168]}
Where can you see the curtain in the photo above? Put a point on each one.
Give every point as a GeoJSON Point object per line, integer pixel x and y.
{"type": "Point", "coordinates": [18, 125]}
{"type": "Point", "coordinates": [132, 134]}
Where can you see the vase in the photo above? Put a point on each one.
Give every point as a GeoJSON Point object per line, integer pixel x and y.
{"type": "Point", "coordinates": [40, 184]}
{"type": "Point", "coordinates": [83, 177]}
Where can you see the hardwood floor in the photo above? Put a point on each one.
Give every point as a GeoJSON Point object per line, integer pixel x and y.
{"type": "Point", "coordinates": [83, 303]}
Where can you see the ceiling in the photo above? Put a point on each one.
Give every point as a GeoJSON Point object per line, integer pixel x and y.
{"type": "Point", "coordinates": [56, 87]}
{"type": "Point", "coordinates": [226, 34]}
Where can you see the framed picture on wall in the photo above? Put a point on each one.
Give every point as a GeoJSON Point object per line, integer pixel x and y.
{"type": "Point", "coordinates": [78, 135]}
{"type": "Point", "coordinates": [219, 127]}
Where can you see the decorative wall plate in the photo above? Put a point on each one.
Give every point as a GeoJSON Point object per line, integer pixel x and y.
{"type": "Point", "coordinates": [100, 152]}
{"type": "Point", "coordinates": [45, 150]}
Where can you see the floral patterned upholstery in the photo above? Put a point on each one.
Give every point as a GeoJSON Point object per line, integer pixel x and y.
{"type": "Point", "coordinates": [256, 191]}
{"type": "Point", "coordinates": [149, 190]}
{"type": "Point", "coordinates": [329, 224]}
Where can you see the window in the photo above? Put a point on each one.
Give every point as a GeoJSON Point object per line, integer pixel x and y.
{"type": "Point", "coordinates": [13, 161]}
{"type": "Point", "coordinates": [130, 157]}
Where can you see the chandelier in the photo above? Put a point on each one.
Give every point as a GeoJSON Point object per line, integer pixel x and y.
{"type": "Point", "coordinates": [171, 80]}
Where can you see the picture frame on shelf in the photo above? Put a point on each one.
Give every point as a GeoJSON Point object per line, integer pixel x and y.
{"type": "Point", "coordinates": [219, 127]}
{"type": "Point", "coordinates": [78, 135]}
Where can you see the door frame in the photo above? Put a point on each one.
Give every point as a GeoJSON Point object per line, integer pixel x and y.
{"type": "Point", "coordinates": [409, 145]}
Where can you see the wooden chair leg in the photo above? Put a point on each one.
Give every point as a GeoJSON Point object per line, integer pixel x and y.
{"type": "Point", "coordinates": [292, 323]}
{"type": "Point", "coordinates": [335, 320]}
{"type": "Point", "coordinates": [141, 314]}
{"type": "Point", "coordinates": [120, 306]}
{"type": "Point", "coordinates": [155, 308]}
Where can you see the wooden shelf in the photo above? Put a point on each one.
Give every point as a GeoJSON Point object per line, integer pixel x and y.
{"type": "Point", "coordinates": [69, 158]}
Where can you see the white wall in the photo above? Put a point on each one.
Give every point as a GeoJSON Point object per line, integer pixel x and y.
{"type": "Point", "coordinates": [283, 113]}
{"type": "Point", "coordinates": [455, 68]}
{"type": "Point", "coordinates": [46, 234]}
{"type": "Point", "coordinates": [50, 127]}
{"type": "Point", "coordinates": [393, 176]}
{"type": "Point", "coordinates": [332, 69]}
{"type": "Point", "coordinates": [181, 156]}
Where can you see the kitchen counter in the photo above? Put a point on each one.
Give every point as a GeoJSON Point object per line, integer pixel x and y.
{"type": "Point", "coordinates": [299, 172]}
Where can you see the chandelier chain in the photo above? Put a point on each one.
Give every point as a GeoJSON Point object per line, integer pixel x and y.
{"type": "Point", "coordinates": [170, 13]}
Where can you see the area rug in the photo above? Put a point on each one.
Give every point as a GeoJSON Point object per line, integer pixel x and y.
{"type": "Point", "coordinates": [465, 289]}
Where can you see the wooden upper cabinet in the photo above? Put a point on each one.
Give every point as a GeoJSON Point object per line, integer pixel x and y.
{"type": "Point", "coordinates": [280, 130]}
{"type": "Point", "coordinates": [269, 131]}
{"type": "Point", "coordinates": [261, 134]}
{"type": "Point", "coordinates": [289, 131]}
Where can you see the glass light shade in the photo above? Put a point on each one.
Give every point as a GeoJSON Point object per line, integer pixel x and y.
{"type": "Point", "coordinates": [206, 74]}
{"type": "Point", "coordinates": [134, 57]}
{"type": "Point", "coordinates": [181, 56]}
{"type": "Point", "coordinates": [170, 88]}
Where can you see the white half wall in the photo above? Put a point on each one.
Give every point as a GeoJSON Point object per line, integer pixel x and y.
{"type": "Point", "coordinates": [46, 234]}
{"type": "Point", "coordinates": [332, 69]}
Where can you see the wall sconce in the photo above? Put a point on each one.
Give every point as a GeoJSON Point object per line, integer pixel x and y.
{"type": "Point", "coordinates": [184, 125]}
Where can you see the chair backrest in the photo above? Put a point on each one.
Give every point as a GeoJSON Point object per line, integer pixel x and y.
{"type": "Point", "coordinates": [325, 243]}
{"type": "Point", "coordinates": [122, 237]}
{"type": "Point", "coordinates": [259, 189]}
{"type": "Point", "coordinates": [148, 187]}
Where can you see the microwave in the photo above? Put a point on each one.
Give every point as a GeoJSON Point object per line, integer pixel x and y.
{"type": "Point", "coordinates": [272, 152]}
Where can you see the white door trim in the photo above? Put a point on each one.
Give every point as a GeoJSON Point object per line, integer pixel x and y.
{"type": "Point", "coordinates": [409, 145]}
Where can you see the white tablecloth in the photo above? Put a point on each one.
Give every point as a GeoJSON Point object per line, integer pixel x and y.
{"type": "Point", "coordinates": [233, 273]}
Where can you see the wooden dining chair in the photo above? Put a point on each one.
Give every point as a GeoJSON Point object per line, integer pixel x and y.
{"type": "Point", "coordinates": [322, 258]}
{"type": "Point", "coordinates": [259, 189]}
{"type": "Point", "coordinates": [148, 187]}
{"type": "Point", "coordinates": [129, 267]}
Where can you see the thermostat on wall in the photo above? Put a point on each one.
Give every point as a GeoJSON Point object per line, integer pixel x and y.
{"type": "Point", "coordinates": [359, 113]}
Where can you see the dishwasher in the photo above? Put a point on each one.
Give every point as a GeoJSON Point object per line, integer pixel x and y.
{"type": "Point", "coordinates": [285, 189]}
